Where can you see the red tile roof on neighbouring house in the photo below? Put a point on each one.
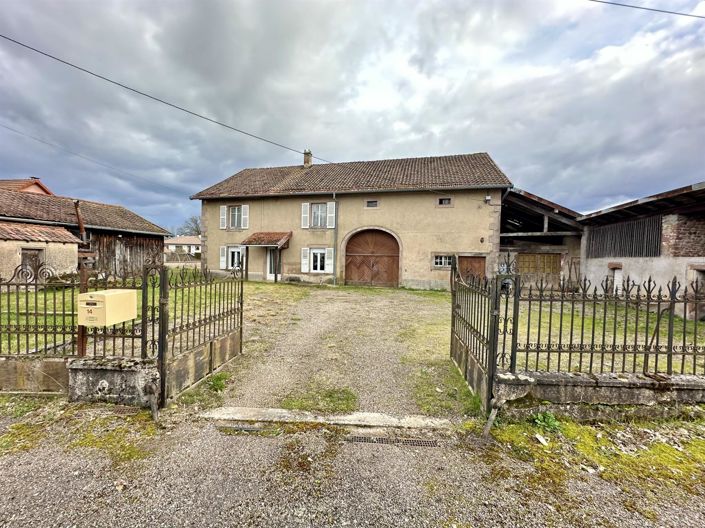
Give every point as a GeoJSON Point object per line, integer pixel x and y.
{"type": "Point", "coordinates": [22, 184]}
{"type": "Point", "coordinates": [464, 171]}
{"type": "Point", "coordinates": [267, 238]}
{"type": "Point", "coordinates": [191, 240]}
{"type": "Point", "coordinates": [35, 233]}
{"type": "Point", "coordinates": [61, 210]}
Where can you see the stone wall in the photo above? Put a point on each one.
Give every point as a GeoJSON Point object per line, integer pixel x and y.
{"type": "Point", "coordinates": [24, 374]}
{"type": "Point", "coordinates": [191, 367]}
{"type": "Point", "coordinates": [683, 235]}
{"type": "Point", "coordinates": [62, 258]}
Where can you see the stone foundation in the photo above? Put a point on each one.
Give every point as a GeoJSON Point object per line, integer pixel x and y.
{"type": "Point", "coordinates": [123, 381]}
{"type": "Point", "coordinates": [599, 396]}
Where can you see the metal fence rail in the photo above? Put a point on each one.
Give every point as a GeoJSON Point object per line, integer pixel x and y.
{"type": "Point", "coordinates": [202, 307]}
{"type": "Point", "coordinates": [623, 328]}
{"type": "Point", "coordinates": [38, 312]}
{"type": "Point", "coordinates": [508, 323]}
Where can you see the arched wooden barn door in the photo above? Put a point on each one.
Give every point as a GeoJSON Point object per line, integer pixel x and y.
{"type": "Point", "coordinates": [372, 259]}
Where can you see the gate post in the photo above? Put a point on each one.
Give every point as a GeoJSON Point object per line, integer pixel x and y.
{"type": "Point", "coordinates": [493, 341]}
{"type": "Point", "coordinates": [516, 281]}
{"type": "Point", "coordinates": [81, 335]}
{"type": "Point", "coordinates": [163, 329]}
{"type": "Point", "coordinates": [145, 312]}
{"type": "Point", "coordinates": [674, 286]}
{"type": "Point", "coordinates": [453, 301]}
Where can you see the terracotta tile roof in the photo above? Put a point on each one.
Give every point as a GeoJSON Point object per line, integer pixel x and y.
{"type": "Point", "coordinates": [267, 238]}
{"type": "Point", "coordinates": [409, 174]}
{"type": "Point", "coordinates": [35, 233]}
{"type": "Point", "coordinates": [19, 184]}
{"type": "Point", "coordinates": [191, 240]}
{"type": "Point", "coordinates": [60, 209]}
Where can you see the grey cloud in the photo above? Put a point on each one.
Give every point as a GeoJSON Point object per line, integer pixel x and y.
{"type": "Point", "coordinates": [298, 71]}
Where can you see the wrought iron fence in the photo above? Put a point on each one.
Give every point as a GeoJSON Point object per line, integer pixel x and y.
{"type": "Point", "coordinates": [202, 307]}
{"type": "Point", "coordinates": [620, 328]}
{"type": "Point", "coordinates": [512, 324]}
{"type": "Point", "coordinates": [39, 312]}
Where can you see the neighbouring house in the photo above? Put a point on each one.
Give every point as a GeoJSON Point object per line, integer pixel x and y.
{"type": "Point", "coordinates": [660, 236]}
{"type": "Point", "coordinates": [28, 185]}
{"type": "Point", "coordinates": [392, 222]}
{"type": "Point", "coordinates": [540, 238]}
{"type": "Point", "coordinates": [190, 244]}
{"type": "Point", "coordinates": [29, 245]}
{"type": "Point", "coordinates": [118, 239]}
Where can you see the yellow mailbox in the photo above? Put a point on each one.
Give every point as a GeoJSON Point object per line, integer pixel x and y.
{"type": "Point", "coordinates": [107, 307]}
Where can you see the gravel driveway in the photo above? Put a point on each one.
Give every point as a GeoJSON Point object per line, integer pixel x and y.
{"type": "Point", "coordinates": [337, 338]}
{"type": "Point", "coordinates": [69, 465]}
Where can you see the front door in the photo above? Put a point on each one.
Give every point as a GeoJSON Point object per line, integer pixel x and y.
{"type": "Point", "coordinates": [274, 262]}
{"type": "Point", "coordinates": [471, 266]}
{"type": "Point", "coordinates": [235, 255]}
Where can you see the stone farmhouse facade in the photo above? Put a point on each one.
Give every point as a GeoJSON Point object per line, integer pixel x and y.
{"type": "Point", "coordinates": [387, 222]}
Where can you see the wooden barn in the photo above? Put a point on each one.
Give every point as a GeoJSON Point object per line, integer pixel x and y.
{"type": "Point", "coordinates": [118, 239]}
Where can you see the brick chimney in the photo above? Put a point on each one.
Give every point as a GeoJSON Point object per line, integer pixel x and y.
{"type": "Point", "coordinates": [308, 158]}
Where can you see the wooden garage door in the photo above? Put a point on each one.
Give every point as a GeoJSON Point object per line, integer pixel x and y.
{"type": "Point", "coordinates": [372, 259]}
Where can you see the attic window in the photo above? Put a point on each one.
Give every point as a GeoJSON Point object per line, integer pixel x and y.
{"type": "Point", "coordinates": [444, 202]}
{"type": "Point", "coordinates": [371, 204]}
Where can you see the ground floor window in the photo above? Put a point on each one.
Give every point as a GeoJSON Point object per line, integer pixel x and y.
{"type": "Point", "coordinates": [442, 261]}
{"type": "Point", "coordinates": [318, 260]}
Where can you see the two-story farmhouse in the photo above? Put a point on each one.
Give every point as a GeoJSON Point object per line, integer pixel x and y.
{"type": "Point", "coordinates": [387, 222]}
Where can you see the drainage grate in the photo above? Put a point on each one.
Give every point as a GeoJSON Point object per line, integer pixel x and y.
{"type": "Point", "coordinates": [416, 442]}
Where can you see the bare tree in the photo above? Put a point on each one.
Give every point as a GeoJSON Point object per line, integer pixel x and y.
{"type": "Point", "coordinates": [192, 226]}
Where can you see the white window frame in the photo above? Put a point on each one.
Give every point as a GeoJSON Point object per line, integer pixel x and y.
{"type": "Point", "coordinates": [445, 261]}
{"type": "Point", "coordinates": [315, 262]}
{"type": "Point", "coordinates": [319, 211]}
{"type": "Point", "coordinates": [231, 209]}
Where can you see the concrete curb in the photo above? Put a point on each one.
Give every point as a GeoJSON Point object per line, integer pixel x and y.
{"type": "Point", "coordinates": [356, 419]}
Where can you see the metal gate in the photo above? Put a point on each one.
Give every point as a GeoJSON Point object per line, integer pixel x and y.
{"type": "Point", "coordinates": [189, 321]}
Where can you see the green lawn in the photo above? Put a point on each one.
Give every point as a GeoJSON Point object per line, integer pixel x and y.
{"type": "Point", "coordinates": [44, 320]}
{"type": "Point", "coordinates": [606, 336]}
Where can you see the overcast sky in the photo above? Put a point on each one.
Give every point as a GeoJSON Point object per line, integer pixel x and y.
{"type": "Point", "coordinates": [582, 103]}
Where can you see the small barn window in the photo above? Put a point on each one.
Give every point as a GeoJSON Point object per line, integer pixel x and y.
{"type": "Point", "coordinates": [442, 261]}
{"type": "Point", "coordinates": [444, 202]}
{"type": "Point", "coordinates": [371, 204]}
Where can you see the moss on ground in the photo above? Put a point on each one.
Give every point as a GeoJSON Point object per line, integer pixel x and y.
{"type": "Point", "coordinates": [21, 437]}
{"type": "Point", "coordinates": [651, 462]}
{"type": "Point", "coordinates": [122, 438]}
{"type": "Point", "coordinates": [439, 389]}
{"type": "Point", "coordinates": [16, 406]}
{"type": "Point", "coordinates": [321, 398]}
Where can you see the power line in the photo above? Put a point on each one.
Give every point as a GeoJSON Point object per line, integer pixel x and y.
{"type": "Point", "coordinates": [77, 154]}
{"type": "Point", "coordinates": [647, 9]}
{"type": "Point", "coordinates": [172, 105]}
{"type": "Point", "coordinates": [152, 97]}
